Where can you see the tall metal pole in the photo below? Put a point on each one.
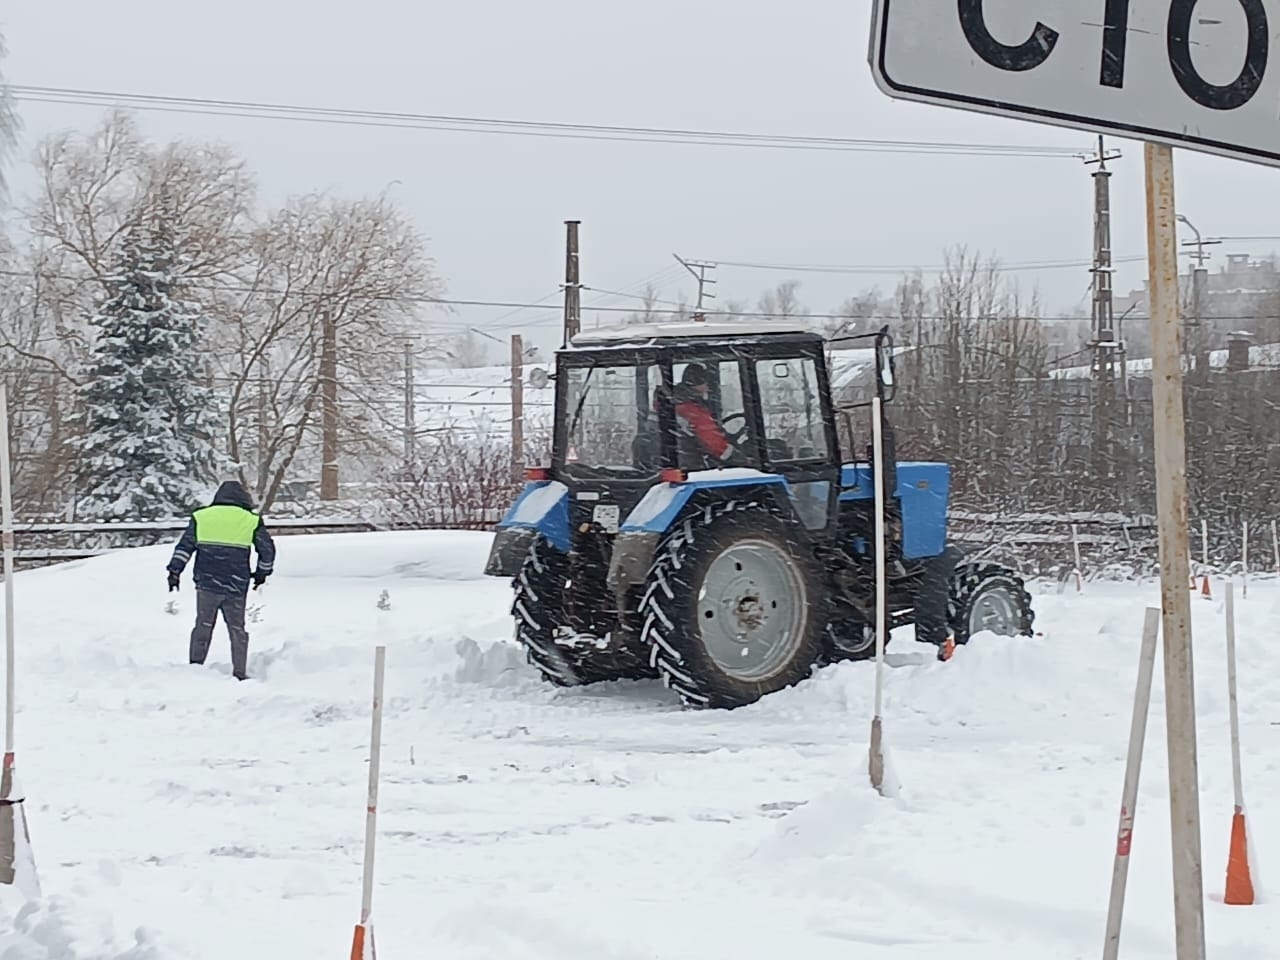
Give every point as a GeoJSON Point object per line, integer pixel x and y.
{"type": "Point", "coordinates": [572, 283]}
{"type": "Point", "coordinates": [1175, 573]}
{"type": "Point", "coordinates": [517, 405]}
{"type": "Point", "coordinates": [1104, 341]}
{"type": "Point", "coordinates": [1197, 346]}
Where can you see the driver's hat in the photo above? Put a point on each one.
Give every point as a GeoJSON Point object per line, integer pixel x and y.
{"type": "Point", "coordinates": [695, 375]}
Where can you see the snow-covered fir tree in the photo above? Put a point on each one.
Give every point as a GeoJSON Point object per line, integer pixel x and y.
{"type": "Point", "coordinates": [149, 425]}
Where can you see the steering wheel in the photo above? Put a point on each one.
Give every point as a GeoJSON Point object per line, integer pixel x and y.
{"type": "Point", "coordinates": [734, 436]}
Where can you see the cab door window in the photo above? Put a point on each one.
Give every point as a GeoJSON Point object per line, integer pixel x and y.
{"type": "Point", "coordinates": [791, 408]}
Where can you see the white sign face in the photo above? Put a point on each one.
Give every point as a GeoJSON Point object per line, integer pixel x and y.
{"type": "Point", "coordinates": [1189, 73]}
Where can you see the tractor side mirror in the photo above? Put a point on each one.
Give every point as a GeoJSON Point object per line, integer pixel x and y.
{"type": "Point", "coordinates": [539, 378]}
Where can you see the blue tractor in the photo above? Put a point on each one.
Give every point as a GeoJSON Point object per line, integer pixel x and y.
{"type": "Point", "coordinates": [698, 522]}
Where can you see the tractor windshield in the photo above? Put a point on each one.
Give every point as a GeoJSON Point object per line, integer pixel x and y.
{"type": "Point", "coordinates": [611, 419]}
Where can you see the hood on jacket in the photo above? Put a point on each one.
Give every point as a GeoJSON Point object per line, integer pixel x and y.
{"type": "Point", "coordinates": [232, 493]}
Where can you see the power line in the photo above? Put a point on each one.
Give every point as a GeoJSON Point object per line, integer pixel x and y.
{"type": "Point", "coordinates": [528, 128]}
{"type": "Point", "coordinates": [516, 305]}
{"type": "Point", "coordinates": [908, 268]}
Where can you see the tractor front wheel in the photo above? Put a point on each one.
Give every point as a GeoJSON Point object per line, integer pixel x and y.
{"type": "Point", "coordinates": [562, 655]}
{"type": "Point", "coordinates": [732, 610]}
{"type": "Point", "coordinates": [986, 596]}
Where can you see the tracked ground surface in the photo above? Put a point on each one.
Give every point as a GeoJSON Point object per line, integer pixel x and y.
{"type": "Point", "coordinates": [522, 820]}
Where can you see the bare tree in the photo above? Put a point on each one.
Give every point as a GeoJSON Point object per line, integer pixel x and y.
{"type": "Point", "coordinates": [349, 276]}
{"type": "Point", "coordinates": [782, 300]}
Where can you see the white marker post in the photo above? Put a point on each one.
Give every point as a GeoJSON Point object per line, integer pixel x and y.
{"type": "Point", "coordinates": [6, 504]}
{"type": "Point", "coordinates": [1075, 548]}
{"type": "Point", "coordinates": [876, 757]}
{"type": "Point", "coordinates": [17, 863]}
{"type": "Point", "coordinates": [1240, 889]}
{"type": "Point", "coordinates": [1132, 774]}
{"type": "Point", "coordinates": [1275, 545]}
{"type": "Point", "coordinates": [1233, 703]}
{"type": "Point", "coordinates": [1244, 557]}
{"type": "Point", "coordinates": [364, 929]}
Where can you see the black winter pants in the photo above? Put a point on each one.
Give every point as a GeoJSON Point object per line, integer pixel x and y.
{"type": "Point", "coordinates": [208, 605]}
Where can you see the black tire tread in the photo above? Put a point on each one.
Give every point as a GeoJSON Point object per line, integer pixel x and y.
{"type": "Point", "coordinates": [537, 614]}
{"type": "Point", "coordinates": [659, 632]}
{"type": "Point", "coordinates": [966, 582]}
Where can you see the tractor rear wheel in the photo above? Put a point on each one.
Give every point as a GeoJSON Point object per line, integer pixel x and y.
{"type": "Point", "coordinates": [986, 596]}
{"type": "Point", "coordinates": [732, 608]}
{"type": "Point", "coordinates": [564, 656]}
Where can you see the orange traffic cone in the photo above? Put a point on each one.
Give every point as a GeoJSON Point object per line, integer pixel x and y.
{"type": "Point", "coordinates": [948, 649]}
{"type": "Point", "coordinates": [362, 949]}
{"type": "Point", "coordinates": [1239, 877]}
{"type": "Point", "coordinates": [1204, 589]}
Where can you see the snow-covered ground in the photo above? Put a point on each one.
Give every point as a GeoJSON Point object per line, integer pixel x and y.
{"type": "Point", "coordinates": [178, 814]}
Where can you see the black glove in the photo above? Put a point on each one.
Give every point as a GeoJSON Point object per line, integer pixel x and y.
{"type": "Point", "coordinates": [173, 581]}
{"type": "Point", "coordinates": [258, 580]}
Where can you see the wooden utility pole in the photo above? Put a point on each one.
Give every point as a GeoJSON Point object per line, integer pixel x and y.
{"type": "Point", "coordinates": [329, 405]}
{"type": "Point", "coordinates": [517, 405]}
{"type": "Point", "coordinates": [410, 420]}
{"type": "Point", "coordinates": [264, 427]}
{"type": "Point", "coordinates": [1175, 565]}
{"type": "Point", "coordinates": [572, 283]}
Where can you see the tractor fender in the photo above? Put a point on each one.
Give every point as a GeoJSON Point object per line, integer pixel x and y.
{"type": "Point", "coordinates": [666, 504]}
{"type": "Point", "coordinates": [542, 509]}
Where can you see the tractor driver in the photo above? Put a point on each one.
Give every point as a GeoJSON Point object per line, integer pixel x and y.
{"type": "Point", "coordinates": [695, 417]}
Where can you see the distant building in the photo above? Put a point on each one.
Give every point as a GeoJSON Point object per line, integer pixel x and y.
{"type": "Point", "coordinates": [1242, 289]}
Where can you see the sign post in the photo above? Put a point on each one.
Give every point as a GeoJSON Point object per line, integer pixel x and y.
{"type": "Point", "coordinates": [1127, 69]}
{"type": "Point", "coordinates": [1175, 568]}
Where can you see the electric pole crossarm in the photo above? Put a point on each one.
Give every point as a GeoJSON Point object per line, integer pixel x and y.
{"type": "Point", "coordinates": [699, 268]}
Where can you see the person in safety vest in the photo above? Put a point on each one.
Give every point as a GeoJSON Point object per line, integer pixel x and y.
{"type": "Point", "coordinates": [694, 416]}
{"type": "Point", "coordinates": [220, 536]}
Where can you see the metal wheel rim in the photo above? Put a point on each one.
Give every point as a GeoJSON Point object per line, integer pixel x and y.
{"type": "Point", "coordinates": [751, 610]}
{"type": "Point", "coordinates": [995, 609]}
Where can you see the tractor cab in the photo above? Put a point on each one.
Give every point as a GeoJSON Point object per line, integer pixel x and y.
{"type": "Point", "coordinates": [639, 405]}
{"type": "Point", "coordinates": [696, 521]}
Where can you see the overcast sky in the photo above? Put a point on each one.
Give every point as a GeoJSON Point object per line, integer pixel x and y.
{"type": "Point", "coordinates": [493, 206]}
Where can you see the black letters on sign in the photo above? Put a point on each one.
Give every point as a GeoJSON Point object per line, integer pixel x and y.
{"type": "Point", "coordinates": [1235, 94]}
{"type": "Point", "coordinates": [1115, 38]}
{"type": "Point", "coordinates": [1026, 56]}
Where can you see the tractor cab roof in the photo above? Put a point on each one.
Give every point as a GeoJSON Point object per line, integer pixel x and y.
{"type": "Point", "coordinates": [692, 332]}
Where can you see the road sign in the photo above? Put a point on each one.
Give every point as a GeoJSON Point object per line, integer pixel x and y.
{"type": "Point", "coordinates": [1186, 73]}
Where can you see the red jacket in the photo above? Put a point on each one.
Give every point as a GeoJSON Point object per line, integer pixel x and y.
{"type": "Point", "coordinates": [709, 433]}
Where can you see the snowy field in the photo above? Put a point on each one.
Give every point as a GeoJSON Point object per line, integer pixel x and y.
{"type": "Point", "coordinates": [178, 814]}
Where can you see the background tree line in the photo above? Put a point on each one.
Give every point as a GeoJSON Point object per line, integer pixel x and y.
{"type": "Point", "coordinates": [302, 311]}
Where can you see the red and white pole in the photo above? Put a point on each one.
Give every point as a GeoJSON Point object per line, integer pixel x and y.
{"type": "Point", "coordinates": [362, 945]}
{"type": "Point", "coordinates": [1132, 773]}
{"type": "Point", "coordinates": [6, 505]}
{"type": "Point", "coordinates": [17, 863]}
{"type": "Point", "coordinates": [1240, 889]}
